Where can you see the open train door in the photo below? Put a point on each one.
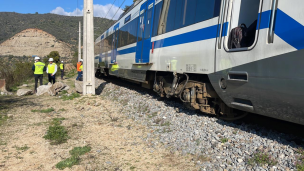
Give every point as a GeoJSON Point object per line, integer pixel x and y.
{"type": "Point", "coordinates": [231, 77]}
{"type": "Point", "coordinates": [144, 33]}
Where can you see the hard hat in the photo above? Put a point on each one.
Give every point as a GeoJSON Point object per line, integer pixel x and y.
{"type": "Point", "coordinates": [51, 60]}
{"type": "Point", "coordinates": [61, 61]}
{"type": "Point", "coordinates": [81, 60]}
{"type": "Point", "coordinates": [37, 58]}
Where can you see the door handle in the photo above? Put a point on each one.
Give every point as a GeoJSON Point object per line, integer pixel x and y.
{"type": "Point", "coordinates": [272, 20]}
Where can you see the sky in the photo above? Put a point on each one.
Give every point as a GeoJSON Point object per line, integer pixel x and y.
{"type": "Point", "coordinates": [64, 7]}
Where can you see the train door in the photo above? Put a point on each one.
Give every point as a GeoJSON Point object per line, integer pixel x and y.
{"type": "Point", "coordinates": [115, 43]}
{"type": "Point", "coordinates": [231, 80]}
{"type": "Point", "coordinates": [144, 32]}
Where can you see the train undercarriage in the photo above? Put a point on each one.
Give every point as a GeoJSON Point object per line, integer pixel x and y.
{"type": "Point", "coordinates": [194, 90]}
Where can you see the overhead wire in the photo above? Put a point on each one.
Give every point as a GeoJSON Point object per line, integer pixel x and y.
{"type": "Point", "coordinates": [110, 9]}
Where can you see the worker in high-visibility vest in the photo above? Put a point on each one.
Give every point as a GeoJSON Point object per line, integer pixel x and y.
{"type": "Point", "coordinates": [51, 70]}
{"type": "Point", "coordinates": [78, 69]}
{"type": "Point", "coordinates": [38, 69]}
{"type": "Point", "coordinates": [62, 69]}
{"type": "Point", "coordinates": [81, 69]}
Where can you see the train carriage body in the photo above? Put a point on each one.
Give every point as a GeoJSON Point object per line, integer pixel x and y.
{"type": "Point", "coordinates": [182, 49]}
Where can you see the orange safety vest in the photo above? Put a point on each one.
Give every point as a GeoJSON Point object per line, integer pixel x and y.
{"type": "Point", "coordinates": [78, 66]}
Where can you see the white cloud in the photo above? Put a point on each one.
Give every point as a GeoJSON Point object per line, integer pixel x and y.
{"type": "Point", "coordinates": [99, 11]}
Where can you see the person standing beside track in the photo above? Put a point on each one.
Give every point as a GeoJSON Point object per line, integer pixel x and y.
{"type": "Point", "coordinates": [38, 69]}
{"type": "Point", "coordinates": [62, 70]}
{"type": "Point", "coordinates": [51, 70]}
{"type": "Point", "coordinates": [78, 69]}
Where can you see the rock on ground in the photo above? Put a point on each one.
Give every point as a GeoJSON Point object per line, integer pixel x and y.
{"type": "Point", "coordinates": [51, 89]}
{"type": "Point", "coordinates": [43, 89]}
{"type": "Point", "coordinates": [78, 86]}
{"type": "Point", "coordinates": [24, 92]}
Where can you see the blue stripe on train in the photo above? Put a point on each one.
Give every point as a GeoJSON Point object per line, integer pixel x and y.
{"type": "Point", "coordinates": [288, 29]}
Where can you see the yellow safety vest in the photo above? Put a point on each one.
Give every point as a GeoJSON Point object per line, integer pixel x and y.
{"type": "Point", "coordinates": [81, 68]}
{"type": "Point", "coordinates": [114, 67]}
{"type": "Point", "coordinates": [39, 66]}
{"type": "Point", "coordinates": [51, 68]}
{"type": "Point", "coordinates": [61, 66]}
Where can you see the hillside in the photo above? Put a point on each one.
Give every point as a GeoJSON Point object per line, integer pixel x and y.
{"type": "Point", "coordinates": [64, 28]}
{"type": "Point", "coordinates": [34, 42]}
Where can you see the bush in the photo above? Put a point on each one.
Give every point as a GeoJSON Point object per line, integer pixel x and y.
{"type": "Point", "coordinates": [16, 74]}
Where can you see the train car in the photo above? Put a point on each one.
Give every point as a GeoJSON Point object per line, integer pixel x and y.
{"type": "Point", "coordinates": [186, 49]}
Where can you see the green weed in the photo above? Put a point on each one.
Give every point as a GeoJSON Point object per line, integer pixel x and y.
{"type": "Point", "coordinates": [224, 140]}
{"type": "Point", "coordinates": [78, 151]}
{"type": "Point", "coordinates": [49, 110]}
{"type": "Point", "coordinates": [74, 159]}
{"type": "Point", "coordinates": [69, 162]}
{"type": "Point", "coordinates": [61, 110]}
{"type": "Point", "coordinates": [57, 134]}
{"type": "Point", "coordinates": [260, 158]}
{"type": "Point", "coordinates": [57, 121]}
{"type": "Point", "coordinates": [165, 124]}
{"type": "Point", "coordinates": [3, 118]}
{"type": "Point", "coordinates": [70, 97]}
{"type": "Point", "coordinates": [300, 159]}
{"type": "Point", "coordinates": [24, 148]}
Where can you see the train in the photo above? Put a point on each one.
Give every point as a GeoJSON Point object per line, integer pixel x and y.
{"type": "Point", "coordinates": [182, 49]}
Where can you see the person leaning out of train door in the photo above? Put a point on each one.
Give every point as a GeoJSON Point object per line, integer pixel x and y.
{"type": "Point", "coordinates": [78, 69]}
{"type": "Point", "coordinates": [62, 70]}
{"type": "Point", "coordinates": [51, 70]}
{"type": "Point", "coordinates": [38, 69]}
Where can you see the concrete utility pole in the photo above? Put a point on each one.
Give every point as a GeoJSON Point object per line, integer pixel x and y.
{"type": "Point", "coordinates": [79, 42]}
{"type": "Point", "coordinates": [88, 48]}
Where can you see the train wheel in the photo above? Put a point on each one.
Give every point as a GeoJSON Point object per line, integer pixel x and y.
{"type": "Point", "coordinates": [226, 113]}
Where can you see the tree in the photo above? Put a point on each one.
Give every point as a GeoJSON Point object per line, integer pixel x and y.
{"type": "Point", "coordinates": [126, 8]}
{"type": "Point", "coordinates": [55, 55]}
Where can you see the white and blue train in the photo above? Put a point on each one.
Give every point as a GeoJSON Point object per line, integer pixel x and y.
{"type": "Point", "coordinates": [181, 48]}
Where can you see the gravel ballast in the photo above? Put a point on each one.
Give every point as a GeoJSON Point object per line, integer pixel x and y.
{"type": "Point", "coordinates": [224, 145]}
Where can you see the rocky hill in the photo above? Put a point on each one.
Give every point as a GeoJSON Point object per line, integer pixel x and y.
{"type": "Point", "coordinates": [34, 42]}
{"type": "Point", "coordinates": [64, 28]}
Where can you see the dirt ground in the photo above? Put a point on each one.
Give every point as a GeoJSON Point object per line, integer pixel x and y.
{"type": "Point", "coordinates": [117, 142]}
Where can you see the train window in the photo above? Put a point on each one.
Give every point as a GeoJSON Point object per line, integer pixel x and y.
{"type": "Point", "coordinates": [182, 13]}
{"type": "Point", "coordinates": [127, 34]}
{"type": "Point", "coordinates": [157, 12]}
{"type": "Point", "coordinates": [204, 10]}
{"type": "Point", "coordinates": [171, 16]}
{"type": "Point", "coordinates": [148, 23]}
{"type": "Point", "coordinates": [188, 17]}
{"type": "Point", "coordinates": [132, 31]}
{"type": "Point", "coordinates": [178, 14]}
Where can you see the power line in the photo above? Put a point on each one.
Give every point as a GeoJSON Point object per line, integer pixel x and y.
{"type": "Point", "coordinates": [109, 9]}
{"type": "Point", "coordinates": [118, 9]}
